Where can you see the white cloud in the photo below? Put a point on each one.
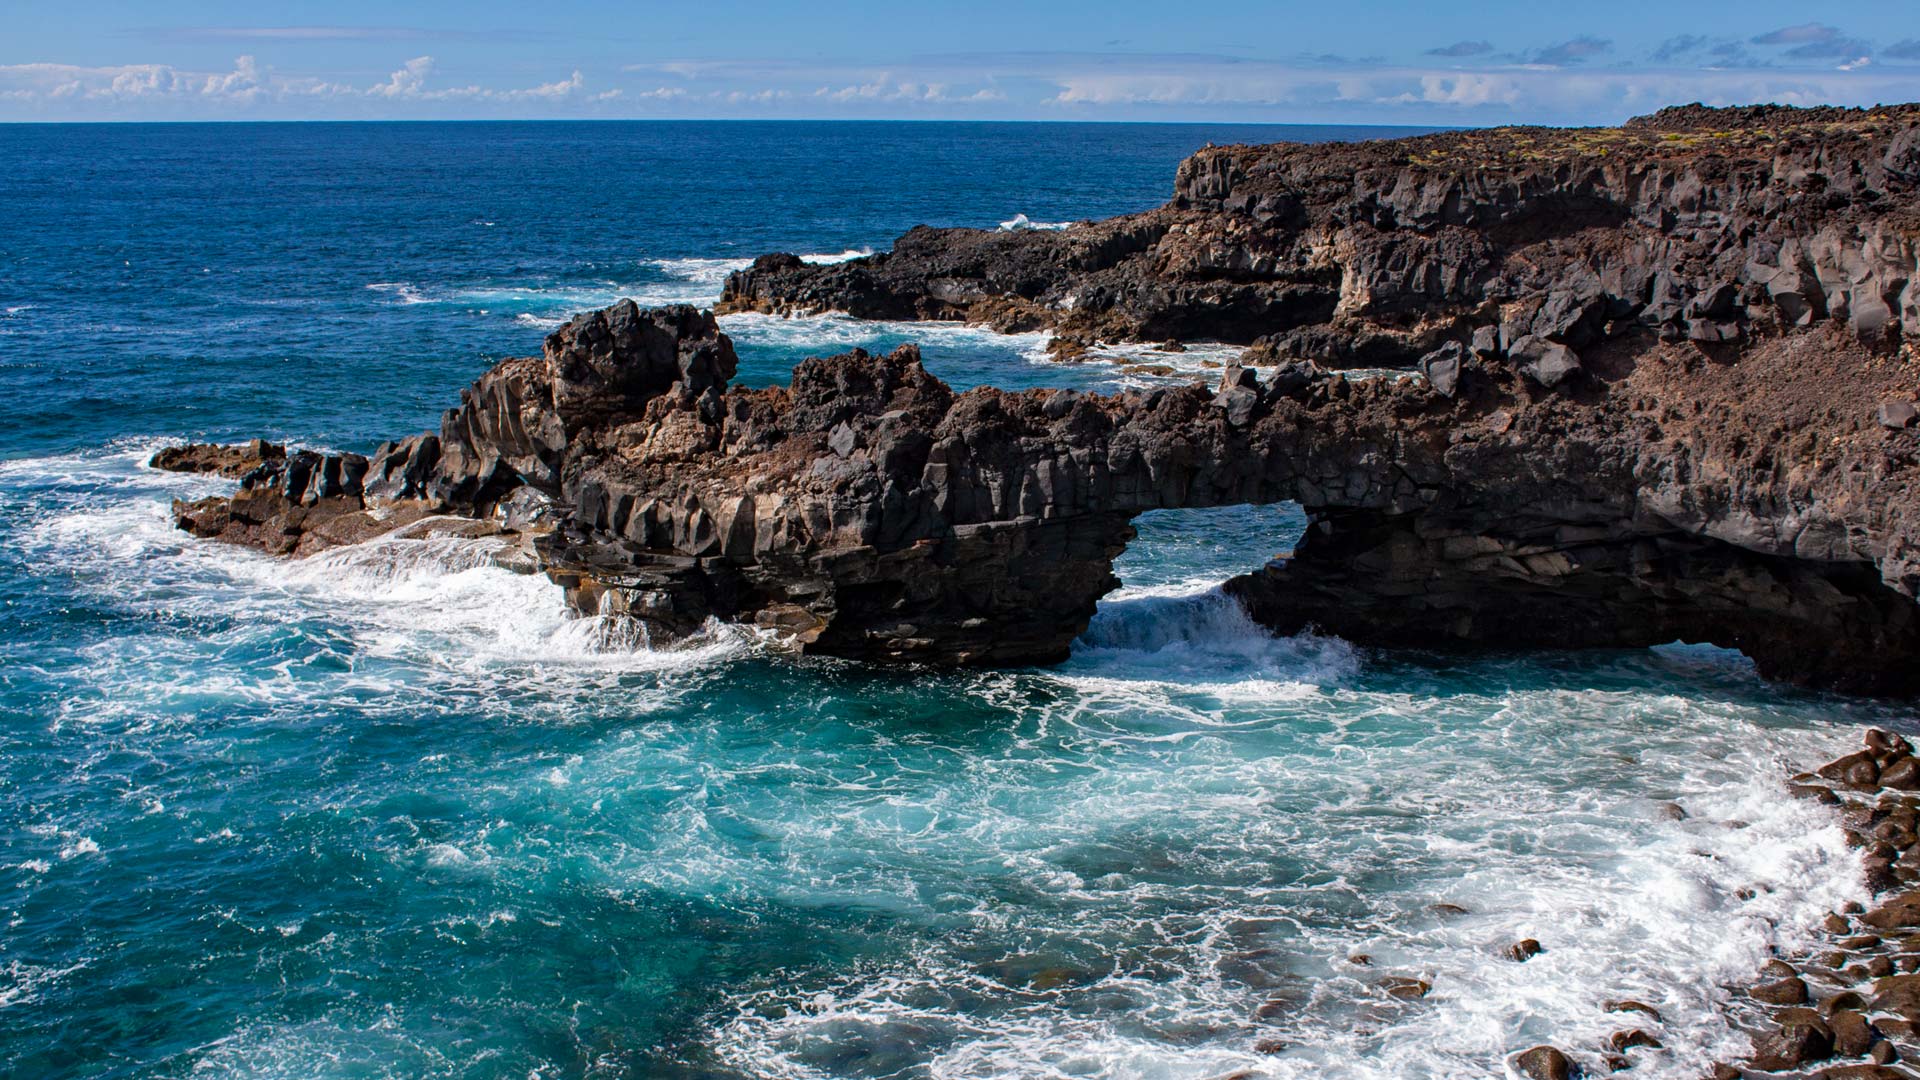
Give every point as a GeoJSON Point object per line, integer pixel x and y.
{"type": "Point", "coordinates": [1469, 89]}
{"type": "Point", "coordinates": [1445, 90]}
{"type": "Point", "coordinates": [145, 82]}
{"type": "Point", "coordinates": [886, 89]}
{"type": "Point", "coordinates": [250, 84]}
{"type": "Point", "coordinates": [408, 81]}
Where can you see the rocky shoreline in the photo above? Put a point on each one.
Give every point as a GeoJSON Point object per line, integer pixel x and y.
{"type": "Point", "coordinates": [1844, 1008]}
{"type": "Point", "coordinates": [1690, 223]}
{"type": "Point", "coordinates": [1669, 393]}
{"type": "Point", "coordinates": [1848, 1007]}
{"type": "Point", "coordinates": [1668, 385]}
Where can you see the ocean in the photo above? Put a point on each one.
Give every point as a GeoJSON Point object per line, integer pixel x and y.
{"type": "Point", "coordinates": [366, 817]}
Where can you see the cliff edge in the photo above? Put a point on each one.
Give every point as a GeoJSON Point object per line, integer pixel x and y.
{"type": "Point", "coordinates": [1667, 383]}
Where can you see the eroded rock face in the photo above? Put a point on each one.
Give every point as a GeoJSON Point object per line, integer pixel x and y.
{"type": "Point", "coordinates": [1623, 438]}
{"type": "Point", "coordinates": [1693, 225]}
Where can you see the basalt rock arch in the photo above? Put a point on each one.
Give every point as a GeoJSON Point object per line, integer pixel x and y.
{"type": "Point", "coordinates": [1665, 390]}
{"type": "Point", "coordinates": [867, 510]}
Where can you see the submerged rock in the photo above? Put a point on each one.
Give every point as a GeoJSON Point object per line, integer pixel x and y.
{"type": "Point", "coordinates": [1405, 987]}
{"type": "Point", "coordinates": [1543, 1063]}
{"type": "Point", "coordinates": [1521, 951]}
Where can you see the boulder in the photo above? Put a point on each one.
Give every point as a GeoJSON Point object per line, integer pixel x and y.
{"type": "Point", "coordinates": [1902, 774]}
{"type": "Point", "coordinates": [1799, 1042]}
{"type": "Point", "coordinates": [1548, 363]}
{"type": "Point", "coordinates": [1627, 1006]}
{"type": "Point", "coordinates": [1442, 367]}
{"type": "Point", "coordinates": [1628, 1040]}
{"type": "Point", "coordinates": [1239, 395]}
{"type": "Point", "coordinates": [1405, 988]}
{"type": "Point", "coordinates": [1899, 913]}
{"type": "Point", "coordinates": [1853, 1034]}
{"type": "Point", "coordinates": [1543, 1063]}
{"type": "Point", "coordinates": [1521, 951]}
{"type": "Point", "coordinates": [1788, 991]}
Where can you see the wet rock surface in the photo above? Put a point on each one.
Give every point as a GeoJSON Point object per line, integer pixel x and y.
{"type": "Point", "coordinates": [1543, 1063]}
{"type": "Point", "coordinates": [1848, 1007]}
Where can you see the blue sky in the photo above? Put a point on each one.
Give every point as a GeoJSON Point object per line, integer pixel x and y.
{"type": "Point", "coordinates": [1333, 62]}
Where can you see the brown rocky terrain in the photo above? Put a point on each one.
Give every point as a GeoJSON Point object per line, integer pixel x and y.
{"type": "Point", "coordinates": [1667, 393]}
{"type": "Point", "coordinates": [1376, 253]}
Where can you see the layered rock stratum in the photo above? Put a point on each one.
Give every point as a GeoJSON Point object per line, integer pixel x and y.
{"type": "Point", "coordinates": [1665, 389]}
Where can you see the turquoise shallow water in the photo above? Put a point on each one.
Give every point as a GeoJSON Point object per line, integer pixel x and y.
{"type": "Point", "coordinates": [360, 817]}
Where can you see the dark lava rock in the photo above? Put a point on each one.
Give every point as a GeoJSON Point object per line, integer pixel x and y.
{"type": "Point", "coordinates": [1900, 912]}
{"type": "Point", "coordinates": [1798, 1042]}
{"type": "Point", "coordinates": [1523, 950]}
{"type": "Point", "coordinates": [1543, 1063]}
{"type": "Point", "coordinates": [232, 462]}
{"type": "Point", "coordinates": [1853, 1035]}
{"type": "Point", "coordinates": [1903, 774]}
{"type": "Point", "coordinates": [1845, 999]}
{"type": "Point", "coordinates": [1898, 994]}
{"type": "Point", "coordinates": [1815, 792]}
{"type": "Point", "coordinates": [1897, 1028]}
{"type": "Point", "coordinates": [1839, 768]}
{"type": "Point", "coordinates": [1548, 363]}
{"type": "Point", "coordinates": [1629, 1005]}
{"type": "Point", "coordinates": [1880, 739]}
{"type": "Point", "coordinates": [1442, 367]}
{"type": "Point", "coordinates": [1789, 991]}
{"type": "Point", "coordinates": [1405, 988]}
{"type": "Point", "coordinates": [1627, 1040]}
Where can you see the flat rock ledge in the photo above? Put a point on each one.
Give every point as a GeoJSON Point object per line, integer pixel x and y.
{"type": "Point", "coordinates": [1670, 396]}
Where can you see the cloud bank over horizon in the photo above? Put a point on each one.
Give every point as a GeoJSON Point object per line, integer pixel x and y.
{"type": "Point", "coordinates": [347, 71]}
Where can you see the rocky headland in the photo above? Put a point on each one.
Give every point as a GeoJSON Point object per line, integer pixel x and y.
{"type": "Point", "coordinates": [1666, 390]}
{"type": "Point", "coordinates": [1660, 384]}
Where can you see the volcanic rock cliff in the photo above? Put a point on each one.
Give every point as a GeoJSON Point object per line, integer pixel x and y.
{"type": "Point", "coordinates": [1667, 394]}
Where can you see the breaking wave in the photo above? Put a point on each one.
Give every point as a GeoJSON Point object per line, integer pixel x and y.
{"type": "Point", "coordinates": [1022, 223]}
{"type": "Point", "coordinates": [1157, 859]}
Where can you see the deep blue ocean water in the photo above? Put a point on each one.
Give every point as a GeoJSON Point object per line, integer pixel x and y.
{"type": "Point", "coordinates": [358, 818]}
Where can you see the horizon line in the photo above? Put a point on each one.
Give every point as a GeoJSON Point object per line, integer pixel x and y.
{"type": "Point", "coordinates": [756, 120]}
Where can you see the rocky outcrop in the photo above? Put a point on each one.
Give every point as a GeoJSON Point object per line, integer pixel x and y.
{"type": "Point", "coordinates": [232, 462]}
{"type": "Point", "coordinates": [1625, 433]}
{"type": "Point", "coordinates": [1693, 224]}
{"type": "Point", "coordinates": [1849, 1006]}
